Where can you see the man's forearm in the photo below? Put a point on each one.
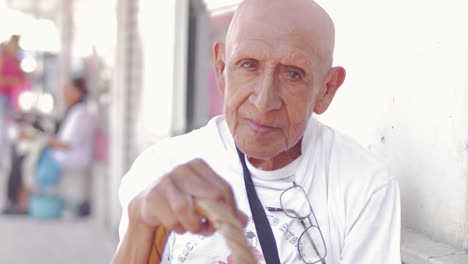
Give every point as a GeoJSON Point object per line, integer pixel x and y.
{"type": "Point", "coordinates": [136, 245]}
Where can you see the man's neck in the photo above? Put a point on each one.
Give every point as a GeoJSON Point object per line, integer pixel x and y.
{"type": "Point", "coordinates": [279, 161]}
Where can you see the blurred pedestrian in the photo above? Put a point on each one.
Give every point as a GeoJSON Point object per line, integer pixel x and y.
{"type": "Point", "coordinates": [69, 153]}
{"type": "Point", "coordinates": [63, 164]}
{"type": "Point", "coordinates": [11, 76]}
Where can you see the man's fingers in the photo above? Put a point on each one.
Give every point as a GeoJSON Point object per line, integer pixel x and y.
{"type": "Point", "coordinates": [243, 218]}
{"type": "Point", "coordinates": [220, 189]}
{"type": "Point", "coordinates": [179, 228]}
{"type": "Point", "coordinates": [190, 182]}
{"type": "Point", "coordinates": [164, 211]}
{"type": "Point", "coordinates": [170, 201]}
{"type": "Point", "coordinates": [207, 228]}
{"type": "Point", "coordinates": [182, 206]}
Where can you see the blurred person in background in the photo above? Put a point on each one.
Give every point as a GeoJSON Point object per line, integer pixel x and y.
{"type": "Point", "coordinates": [11, 76]}
{"type": "Point", "coordinates": [71, 149]}
{"type": "Point", "coordinates": [64, 164]}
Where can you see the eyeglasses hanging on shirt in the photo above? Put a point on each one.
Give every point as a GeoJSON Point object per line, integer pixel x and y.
{"type": "Point", "coordinates": [311, 247]}
{"type": "Point", "coordinates": [295, 204]}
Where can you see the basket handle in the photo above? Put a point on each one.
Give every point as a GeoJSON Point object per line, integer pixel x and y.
{"type": "Point", "coordinates": [223, 221]}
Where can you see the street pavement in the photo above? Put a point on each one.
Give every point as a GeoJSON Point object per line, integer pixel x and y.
{"type": "Point", "coordinates": [67, 241]}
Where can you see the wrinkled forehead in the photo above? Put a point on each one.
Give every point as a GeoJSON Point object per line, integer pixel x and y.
{"type": "Point", "coordinates": [285, 52]}
{"type": "Point", "coordinates": [262, 39]}
{"type": "Point", "coordinates": [305, 27]}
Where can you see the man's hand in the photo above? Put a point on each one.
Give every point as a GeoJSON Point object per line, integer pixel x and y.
{"type": "Point", "coordinates": [169, 202]}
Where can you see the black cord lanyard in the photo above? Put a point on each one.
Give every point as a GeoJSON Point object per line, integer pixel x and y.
{"type": "Point", "coordinates": [262, 225]}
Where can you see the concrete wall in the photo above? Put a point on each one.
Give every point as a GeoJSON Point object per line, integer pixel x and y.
{"type": "Point", "coordinates": [148, 93]}
{"type": "Point", "coordinates": [406, 99]}
{"type": "Point", "coordinates": [163, 27]}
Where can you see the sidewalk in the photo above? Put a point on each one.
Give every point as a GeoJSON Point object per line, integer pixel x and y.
{"type": "Point", "coordinates": [24, 240]}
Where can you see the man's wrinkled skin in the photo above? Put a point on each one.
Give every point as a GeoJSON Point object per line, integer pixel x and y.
{"type": "Point", "coordinates": [273, 72]}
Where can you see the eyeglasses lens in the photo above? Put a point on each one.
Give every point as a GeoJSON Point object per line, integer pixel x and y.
{"type": "Point", "coordinates": [295, 202]}
{"type": "Point", "coordinates": [311, 246]}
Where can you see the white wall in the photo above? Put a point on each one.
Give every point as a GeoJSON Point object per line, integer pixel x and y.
{"type": "Point", "coordinates": [157, 99]}
{"type": "Point", "coordinates": [164, 34]}
{"type": "Point", "coordinates": [406, 99]}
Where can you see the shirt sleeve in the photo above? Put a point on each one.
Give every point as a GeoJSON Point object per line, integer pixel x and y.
{"type": "Point", "coordinates": [374, 236]}
{"type": "Point", "coordinates": [147, 169]}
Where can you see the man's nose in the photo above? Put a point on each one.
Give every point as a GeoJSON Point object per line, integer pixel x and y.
{"type": "Point", "coordinates": [266, 96]}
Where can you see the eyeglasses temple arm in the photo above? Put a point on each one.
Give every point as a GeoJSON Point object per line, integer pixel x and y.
{"type": "Point", "coordinates": [273, 209]}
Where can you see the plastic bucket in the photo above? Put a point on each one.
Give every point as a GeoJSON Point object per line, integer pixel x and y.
{"type": "Point", "coordinates": [45, 207]}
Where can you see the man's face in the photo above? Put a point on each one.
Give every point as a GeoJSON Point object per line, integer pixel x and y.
{"type": "Point", "coordinates": [271, 80]}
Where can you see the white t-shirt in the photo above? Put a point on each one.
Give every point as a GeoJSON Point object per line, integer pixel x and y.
{"type": "Point", "coordinates": [77, 131]}
{"type": "Point", "coordinates": [355, 201]}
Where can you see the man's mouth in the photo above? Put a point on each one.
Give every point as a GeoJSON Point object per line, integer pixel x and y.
{"type": "Point", "coordinates": [259, 128]}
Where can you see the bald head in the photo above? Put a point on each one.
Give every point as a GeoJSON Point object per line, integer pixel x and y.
{"type": "Point", "coordinates": [275, 71]}
{"type": "Point", "coordinates": [283, 19]}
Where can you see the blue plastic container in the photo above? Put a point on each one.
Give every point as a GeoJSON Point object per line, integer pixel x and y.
{"type": "Point", "coordinates": [45, 207]}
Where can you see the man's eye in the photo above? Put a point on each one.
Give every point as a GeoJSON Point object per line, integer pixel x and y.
{"type": "Point", "coordinates": [294, 75]}
{"type": "Point", "coordinates": [248, 64]}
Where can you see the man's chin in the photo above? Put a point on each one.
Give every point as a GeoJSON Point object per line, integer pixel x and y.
{"type": "Point", "coordinates": [259, 151]}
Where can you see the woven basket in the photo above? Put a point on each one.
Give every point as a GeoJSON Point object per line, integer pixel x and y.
{"type": "Point", "coordinates": [223, 221]}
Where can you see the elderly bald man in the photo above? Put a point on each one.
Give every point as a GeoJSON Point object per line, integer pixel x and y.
{"type": "Point", "coordinates": [325, 199]}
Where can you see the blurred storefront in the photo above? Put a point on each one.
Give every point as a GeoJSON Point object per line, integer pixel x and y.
{"type": "Point", "coordinates": [148, 65]}
{"type": "Point", "coordinates": [61, 40]}
{"type": "Point", "coordinates": [164, 82]}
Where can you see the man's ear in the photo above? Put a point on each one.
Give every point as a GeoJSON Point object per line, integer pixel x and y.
{"type": "Point", "coordinates": [220, 63]}
{"type": "Point", "coordinates": [333, 81]}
